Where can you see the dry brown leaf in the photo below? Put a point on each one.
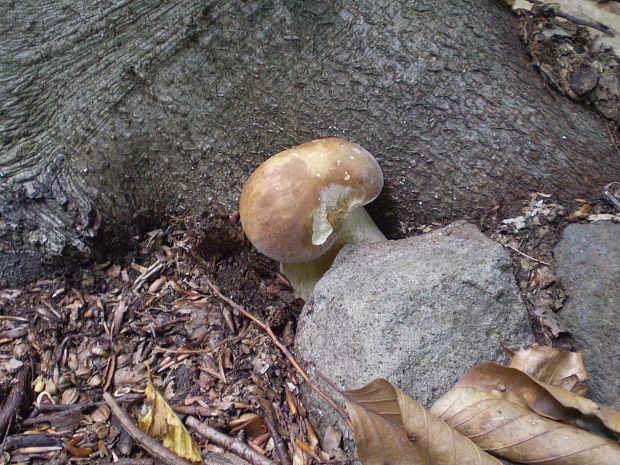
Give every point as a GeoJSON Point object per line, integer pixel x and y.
{"type": "Point", "coordinates": [77, 451]}
{"type": "Point", "coordinates": [506, 427]}
{"type": "Point", "coordinates": [392, 428]}
{"type": "Point", "coordinates": [558, 368]}
{"type": "Point", "coordinates": [544, 399]}
{"type": "Point", "coordinates": [251, 423]}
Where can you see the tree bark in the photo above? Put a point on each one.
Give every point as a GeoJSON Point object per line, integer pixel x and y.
{"type": "Point", "coordinates": [118, 114]}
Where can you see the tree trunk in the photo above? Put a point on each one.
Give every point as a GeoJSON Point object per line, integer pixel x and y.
{"type": "Point", "coordinates": [114, 114]}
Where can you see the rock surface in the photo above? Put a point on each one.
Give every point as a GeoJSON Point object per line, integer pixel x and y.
{"type": "Point", "coordinates": [588, 261]}
{"type": "Point", "coordinates": [417, 311]}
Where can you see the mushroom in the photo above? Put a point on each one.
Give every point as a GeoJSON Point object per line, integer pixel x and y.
{"type": "Point", "coordinates": [303, 204]}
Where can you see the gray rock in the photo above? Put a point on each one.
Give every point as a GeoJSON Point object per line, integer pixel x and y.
{"type": "Point", "coordinates": [417, 311]}
{"type": "Point", "coordinates": [588, 261]}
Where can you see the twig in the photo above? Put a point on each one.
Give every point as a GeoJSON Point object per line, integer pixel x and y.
{"type": "Point", "coordinates": [50, 418]}
{"type": "Point", "coordinates": [216, 291]}
{"type": "Point", "coordinates": [5, 436]}
{"type": "Point", "coordinates": [228, 442]}
{"type": "Point", "coordinates": [273, 431]}
{"type": "Point", "coordinates": [11, 405]}
{"type": "Point", "coordinates": [64, 407]}
{"type": "Point", "coordinates": [144, 440]}
{"type": "Point", "coordinates": [581, 22]}
{"type": "Point", "coordinates": [348, 459]}
{"type": "Point", "coordinates": [526, 255]}
{"type": "Point", "coordinates": [18, 441]}
{"type": "Point", "coordinates": [613, 200]}
{"type": "Point", "coordinates": [131, 462]}
{"type": "Point", "coordinates": [306, 449]}
{"type": "Point", "coordinates": [329, 382]}
{"type": "Point", "coordinates": [611, 197]}
{"type": "Point", "coordinates": [150, 271]}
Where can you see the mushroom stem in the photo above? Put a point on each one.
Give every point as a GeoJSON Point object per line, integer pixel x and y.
{"type": "Point", "coordinates": [357, 228]}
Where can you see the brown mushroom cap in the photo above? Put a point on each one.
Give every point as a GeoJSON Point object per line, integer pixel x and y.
{"type": "Point", "coordinates": [293, 205]}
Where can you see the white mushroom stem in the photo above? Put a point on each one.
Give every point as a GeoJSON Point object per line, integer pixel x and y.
{"type": "Point", "coordinates": [357, 228]}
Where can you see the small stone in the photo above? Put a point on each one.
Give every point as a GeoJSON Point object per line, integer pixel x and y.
{"type": "Point", "coordinates": [588, 262]}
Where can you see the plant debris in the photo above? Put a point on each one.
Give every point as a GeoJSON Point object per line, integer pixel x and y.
{"type": "Point", "coordinates": [570, 57]}
{"type": "Point", "coordinates": [531, 236]}
{"type": "Point", "coordinates": [179, 305]}
{"type": "Point", "coordinates": [493, 409]}
{"type": "Point", "coordinates": [95, 332]}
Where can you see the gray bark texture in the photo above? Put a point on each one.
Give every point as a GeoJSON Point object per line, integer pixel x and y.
{"type": "Point", "coordinates": [114, 114]}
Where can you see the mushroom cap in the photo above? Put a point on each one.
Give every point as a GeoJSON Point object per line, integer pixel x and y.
{"type": "Point", "coordinates": [293, 205]}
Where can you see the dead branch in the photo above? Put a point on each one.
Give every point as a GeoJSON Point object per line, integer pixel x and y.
{"type": "Point", "coordinates": [40, 419]}
{"type": "Point", "coordinates": [228, 442]}
{"type": "Point", "coordinates": [580, 22]}
{"type": "Point", "coordinates": [83, 406]}
{"type": "Point", "coordinates": [269, 420]}
{"type": "Point", "coordinates": [612, 197]}
{"type": "Point", "coordinates": [11, 406]}
{"type": "Point", "coordinates": [65, 407]}
{"type": "Point", "coordinates": [131, 462]}
{"type": "Point", "coordinates": [144, 440]}
{"type": "Point", "coordinates": [18, 441]}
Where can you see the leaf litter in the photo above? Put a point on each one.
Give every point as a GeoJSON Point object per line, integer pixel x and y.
{"type": "Point", "coordinates": [94, 331]}
{"type": "Point", "coordinates": [492, 409]}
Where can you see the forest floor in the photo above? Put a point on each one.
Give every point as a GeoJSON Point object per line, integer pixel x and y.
{"type": "Point", "coordinates": [72, 338]}
{"type": "Point", "coordinates": [67, 340]}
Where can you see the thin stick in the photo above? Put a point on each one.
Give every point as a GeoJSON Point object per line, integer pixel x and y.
{"type": "Point", "coordinates": [279, 345]}
{"type": "Point", "coordinates": [329, 382]}
{"type": "Point", "coordinates": [40, 419]}
{"type": "Point", "coordinates": [63, 408]}
{"type": "Point", "coordinates": [144, 440]}
{"type": "Point", "coordinates": [126, 398]}
{"type": "Point", "coordinates": [6, 435]}
{"type": "Point", "coordinates": [273, 431]}
{"type": "Point", "coordinates": [19, 441]}
{"type": "Point", "coordinates": [581, 22]}
{"type": "Point", "coordinates": [348, 459]}
{"type": "Point", "coordinates": [526, 255]}
{"type": "Point", "coordinates": [12, 403]}
{"type": "Point", "coordinates": [611, 197]}
{"type": "Point", "coordinates": [228, 442]}
{"type": "Point", "coordinates": [131, 462]}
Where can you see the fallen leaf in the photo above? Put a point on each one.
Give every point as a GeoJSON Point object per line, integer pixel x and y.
{"type": "Point", "coordinates": [544, 399]}
{"type": "Point", "coordinates": [251, 423]}
{"type": "Point", "coordinates": [162, 423]}
{"type": "Point", "coordinates": [331, 441]}
{"type": "Point", "coordinates": [558, 368]}
{"type": "Point", "coordinates": [549, 319]}
{"type": "Point", "coordinates": [100, 414]}
{"type": "Point", "coordinates": [77, 451]}
{"type": "Point", "coordinates": [582, 213]}
{"type": "Point", "coordinates": [506, 427]}
{"type": "Point", "coordinates": [392, 428]}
